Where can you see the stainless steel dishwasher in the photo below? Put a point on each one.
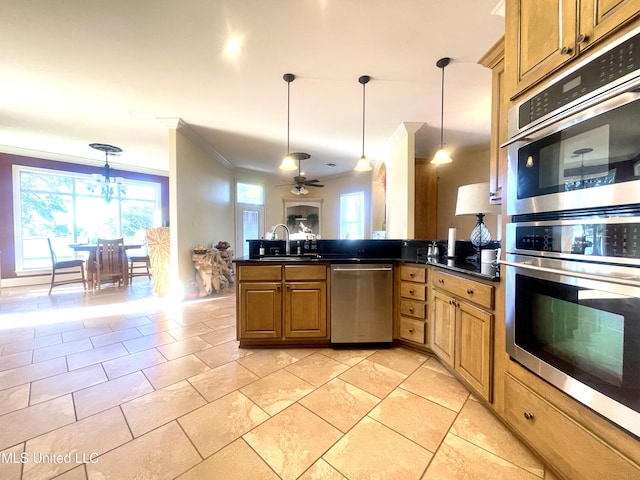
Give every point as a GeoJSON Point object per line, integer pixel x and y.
{"type": "Point", "coordinates": [361, 303]}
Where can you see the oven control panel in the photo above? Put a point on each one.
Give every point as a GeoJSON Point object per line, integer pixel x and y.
{"type": "Point", "coordinates": [616, 240]}
{"type": "Point", "coordinates": [607, 68]}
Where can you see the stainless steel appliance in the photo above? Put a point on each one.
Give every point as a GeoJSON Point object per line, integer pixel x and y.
{"type": "Point", "coordinates": [361, 303]}
{"type": "Point", "coordinates": [573, 309]}
{"type": "Point", "coordinates": [574, 143]}
{"type": "Point", "coordinates": [573, 248]}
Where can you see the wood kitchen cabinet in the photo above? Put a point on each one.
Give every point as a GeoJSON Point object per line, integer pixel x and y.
{"type": "Point", "coordinates": [282, 303]}
{"type": "Point", "coordinates": [461, 331]}
{"type": "Point", "coordinates": [494, 59]}
{"type": "Point", "coordinates": [412, 305]}
{"type": "Point", "coordinates": [560, 440]}
{"type": "Point", "coordinates": [542, 35]}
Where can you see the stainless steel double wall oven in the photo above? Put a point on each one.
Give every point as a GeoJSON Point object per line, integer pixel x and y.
{"type": "Point", "coordinates": [572, 262]}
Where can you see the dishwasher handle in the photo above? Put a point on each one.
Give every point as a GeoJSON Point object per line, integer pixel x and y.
{"type": "Point", "coordinates": [365, 269]}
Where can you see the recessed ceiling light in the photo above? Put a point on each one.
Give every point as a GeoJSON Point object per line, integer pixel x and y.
{"type": "Point", "coordinates": [233, 48]}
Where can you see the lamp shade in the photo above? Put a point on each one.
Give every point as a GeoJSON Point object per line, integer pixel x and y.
{"type": "Point", "coordinates": [288, 163]}
{"type": "Point", "coordinates": [474, 199]}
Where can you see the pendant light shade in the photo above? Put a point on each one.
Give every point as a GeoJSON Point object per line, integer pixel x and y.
{"type": "Point", "coordinates": [288, 163]}
{"type": "Point", "coordinates": [442, 156]}
{"type": "Point", "coordinates": [363, 164]}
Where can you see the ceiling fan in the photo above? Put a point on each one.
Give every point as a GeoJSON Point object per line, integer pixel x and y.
{"type": "Point", "coordinates": [300, 182]}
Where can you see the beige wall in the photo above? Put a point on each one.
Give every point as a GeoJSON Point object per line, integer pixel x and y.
{"type": "Point", "coordinates": [330, 195]}
{"type": "Point", "coordinates": [201, 203]}
{"type": "Point", "coordinates": [468, 166]}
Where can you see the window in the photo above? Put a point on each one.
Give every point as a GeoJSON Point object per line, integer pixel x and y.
{"type": "Point", "coordinates": [252, 194]}
{"type": "Point", "coordinates": [352, 215]}
{"type": "Point", "coordinates": [66, 207]}
{"type": "Point", "coordinates": [249, 215]}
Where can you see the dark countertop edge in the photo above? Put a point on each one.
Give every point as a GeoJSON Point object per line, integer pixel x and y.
{"type": "Point", "coordinates": [444, 266]}
{"type": "Point", "coordinates": [453, 268]}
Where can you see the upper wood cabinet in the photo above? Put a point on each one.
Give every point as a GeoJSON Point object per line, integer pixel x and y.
{"type": "Point", "coordinates": [494, 59]}
{"type": "Point", "coordinates": [542, 35]}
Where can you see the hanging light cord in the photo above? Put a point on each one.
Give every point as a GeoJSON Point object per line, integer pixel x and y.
{"type": "Point", "coordinates": [364, 79]}
{"type": "Point", "coordinates": [442, 63]}
{"type": "Point", "coordinates": [363, 116]}
{"type": "Point", "coordinates": [442, 111]}
{"type": "Point", "coordinates": [288, 113]}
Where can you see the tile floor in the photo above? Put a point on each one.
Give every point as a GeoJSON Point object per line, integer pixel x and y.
{"type": "Point", "coordinates": [119, 384]}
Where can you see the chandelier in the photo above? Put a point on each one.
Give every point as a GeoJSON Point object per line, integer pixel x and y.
{"type": "Point", "coordinates": [110, 186]}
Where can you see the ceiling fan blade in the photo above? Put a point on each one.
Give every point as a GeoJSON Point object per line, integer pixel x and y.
{"type": "Point", "coordinates": [315, 185]}
{"type": "Point", "coordinates": [315, 180]}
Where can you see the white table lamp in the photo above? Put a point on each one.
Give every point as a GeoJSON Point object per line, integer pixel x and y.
{"type": "Point", "coordinates": [473, 199]}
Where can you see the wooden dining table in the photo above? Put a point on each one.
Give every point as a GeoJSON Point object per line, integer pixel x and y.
{"type": "Point", "coordinates": [91, 260]}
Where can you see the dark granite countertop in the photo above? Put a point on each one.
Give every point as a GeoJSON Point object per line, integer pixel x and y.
{"type": "Point", "coordinates": [458, 264]}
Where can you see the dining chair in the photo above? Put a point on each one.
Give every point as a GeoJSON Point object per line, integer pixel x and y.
{"type": "Point", "coordinates": [110, 262]}
{"type": "Point", "coordinates": [63, 268]}
{"type": "Point", "coordinates": [139, 266]}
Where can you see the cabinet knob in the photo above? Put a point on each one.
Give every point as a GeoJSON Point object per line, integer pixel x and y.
{"type": "Point", "coordinates": [528, 415]}
{"type": "Point", "coordinates": [411, 274]}
{"type": "Point", "coordinates": [411, 291]}
{"type": "Point", "coordinates": [469, 291]}
{"type": "Point", "coordinates": [411, 330]}
{"type": "Point", "coordinates": [582, 38]}
{"type": "Point", "coordinates": [411, 309]}
{"type": "Point", "coordinates": [441, 280]}
{"type": "Point", "coordinates": [566, 51]}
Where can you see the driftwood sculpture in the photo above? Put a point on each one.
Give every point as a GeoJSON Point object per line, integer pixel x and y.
{"type": "Point", "coordinates": [214, 271]}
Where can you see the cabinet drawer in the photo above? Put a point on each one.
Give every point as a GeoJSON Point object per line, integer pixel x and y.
{"type": "Point", "coordinates": [413, 330]}
{"type": "Point", "coordinates": [259, 273]}
{"type": "Point", "coordinates": [413, 274]}
{"type": "Point", "coordinates": [413, 309]}
{"type": "Point", "coordinates": [305, 272]}
{"type": "Point", "coordinates": [475, 292]}
{"type": "Point", "coordinates": [555, 436]}
{"type": "Point", "coordinates": [413, 291]}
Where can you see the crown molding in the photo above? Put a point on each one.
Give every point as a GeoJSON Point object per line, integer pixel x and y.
{"type": "Point", "coordinates": [59, 157]}
{"type": "Point", "coordinates": [184, 128]}
{"type": "Point", "coordinates": [404, 130]}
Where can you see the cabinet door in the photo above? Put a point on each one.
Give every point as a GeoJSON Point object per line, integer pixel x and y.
{"type": "Point", "coordinates": [305, 310]}
{"type": "Point", "coordinates": [474, 347]}
{"type": "Point", "coordinates": [494, 59]}
{"type": "Point", "coordinates": [600, 17]}
{"type": "Point", "coordinates": [259, 310]}
{"type": "Point", "coordinates": [442, 326]}
{"type": "Point", "coordinates": [540, 36]}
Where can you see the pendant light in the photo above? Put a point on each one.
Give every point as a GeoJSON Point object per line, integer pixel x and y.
{"type": "Point", "coordinates": [110, 186]}
{"type": "Point", "coordinates": [442, 156]}
{"type": "Point", "coordinates": [363, 164]}
{"type": "Point", "coordinates": [288, 162]}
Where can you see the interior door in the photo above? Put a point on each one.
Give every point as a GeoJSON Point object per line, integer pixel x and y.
{"type": "Point", "coordinates": [249, 226]}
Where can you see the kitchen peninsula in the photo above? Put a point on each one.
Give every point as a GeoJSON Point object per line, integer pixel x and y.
{"type": "Point", "coordinates": [286, 299]}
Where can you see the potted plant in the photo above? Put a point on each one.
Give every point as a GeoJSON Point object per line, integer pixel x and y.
{"type": "Point", "coordinates": [291, 220]}
{"type": "Point", "coordinates": [312, 219]}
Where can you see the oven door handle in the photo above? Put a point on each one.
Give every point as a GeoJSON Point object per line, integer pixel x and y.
{"type": "Point", "coordinates": [587, 276]}
{"type": "Point", "coordinates": [616, 97]}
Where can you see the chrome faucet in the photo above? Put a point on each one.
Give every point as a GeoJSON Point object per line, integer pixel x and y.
{"type": "Point", "coordinates": [287, 247]}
